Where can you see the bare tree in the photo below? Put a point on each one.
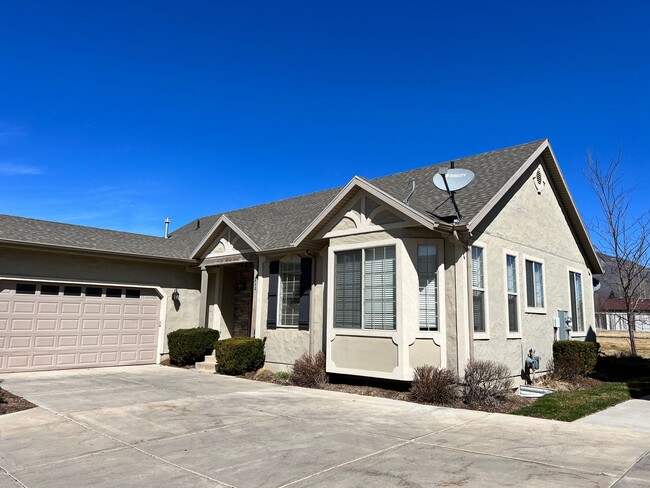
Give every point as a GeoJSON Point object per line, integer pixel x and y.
{"type": "Point", "coordinates": [623, 233]}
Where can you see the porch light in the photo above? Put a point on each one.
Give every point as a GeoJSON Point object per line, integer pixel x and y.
{"type": "Point", "coordinates": [175, 295]}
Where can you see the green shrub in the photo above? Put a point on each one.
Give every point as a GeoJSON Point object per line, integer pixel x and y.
{"type": "Point", "coordinates": [486, 382]}
{"type": "Point", "coordinates": [187, 346]}
{"type": "Point", "coordinates": [433, 385]}
{"type": "Point", "coordinates": [239, 355]}
{"type": "Point", "coordinates": [564, 369]}
{"type": "Point", "coordinates": [309, 371]}
{"type": "Point", "coordinates": [585, 353]}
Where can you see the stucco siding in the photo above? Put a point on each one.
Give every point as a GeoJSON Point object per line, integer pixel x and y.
{"type": "Point", "coordinates": [36, 264]}
{"type": "Point", "coordinates": [530, 225]}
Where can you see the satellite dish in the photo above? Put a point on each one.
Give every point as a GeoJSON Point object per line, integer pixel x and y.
{"type": "Point", "coordinates": [452, 179]}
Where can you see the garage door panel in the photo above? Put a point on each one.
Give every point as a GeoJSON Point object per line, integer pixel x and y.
{"type": "Point", "coordinates": [92, 308]}
{"type": "Point", "coordinates": [89, 341]}
{"type": "Point", "coordinates": [23, 307]}
{"type": "Point", "coordinates": [110, 340]}
{"type": "Point", "coordinates": [18, 361]}
{"type": "Point", "coordinates": [73, 308]}
{"type": "Point", "coordinates": [48, 307]}
{"type": "Point", "coordinates": [112, 309]}
{"type": "Point", "coordinates": [72, 330]}
{"type": "Point", "coordinates": [45, 342]}
{"type": "Point", "coordinates": [45, 324]}
{"type": "Point", "coordinates": [130, 324]}
{"type": "Point", "coordinates": [67, 341]}
{"type": "Point", "coordinates": [66, 359]}
{"type": "Point", "coordinates": [43, 360]}
{"type": "Point", "coordinates": [88, 358]}
{"type": "Point", "coordinates": [131, 309]}
{"type": "Point", "coordinates": [90, 324]}
{"type": "Point", "coordinates": [128, 356]}
{"type": "Point", "coordinates": [21, 324]}
{"type": "Point", "coordinates": [20, 342]}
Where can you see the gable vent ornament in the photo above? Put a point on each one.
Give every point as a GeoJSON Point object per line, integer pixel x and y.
{"type": "Point", "coordinates": [538, 179]}
{"type": "Point", "coordinates": [451, 180]}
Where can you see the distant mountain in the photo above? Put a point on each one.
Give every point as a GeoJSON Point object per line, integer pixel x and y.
{"type": "Point", "coordinates": [609, 279]}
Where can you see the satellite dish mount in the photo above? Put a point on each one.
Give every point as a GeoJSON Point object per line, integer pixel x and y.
{"type": "Point", "coordinates": [451, 180]}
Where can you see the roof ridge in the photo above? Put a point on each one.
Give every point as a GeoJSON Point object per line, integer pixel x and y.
{"type": "Point", "coordinates": [539, 141]}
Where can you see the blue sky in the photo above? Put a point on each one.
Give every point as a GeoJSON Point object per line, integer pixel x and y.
{"type": "Point", "coordinates": [118, 114]}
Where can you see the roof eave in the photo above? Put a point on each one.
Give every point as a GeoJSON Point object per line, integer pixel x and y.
{"type": "Point", "coordinates": [86, 250]}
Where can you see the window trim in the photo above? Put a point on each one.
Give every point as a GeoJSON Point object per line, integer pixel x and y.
{"type": "Point", "coordinates": [331, 298]}
{"type": "Point", "coordinates": [279, 323]}
{"type": "Point", "coordinates": [482, 335]}
{"type": "Point", "coordinates": [517, 256]}
{"type": "Point", "coordinates": [535, 310]}
{"type": "Point", "coordinates": [439, 280]}
{"type": "Point", "coordinates": [583, 332]}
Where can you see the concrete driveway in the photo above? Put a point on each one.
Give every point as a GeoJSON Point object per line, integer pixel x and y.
{"type": "Point", "coordinates": [157, 426]}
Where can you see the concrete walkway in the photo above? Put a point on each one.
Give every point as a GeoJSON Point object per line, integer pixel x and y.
{"type": "Point", "coordinates": [156, 426]}
{"type": "Point", "coordinates": [632, 414]}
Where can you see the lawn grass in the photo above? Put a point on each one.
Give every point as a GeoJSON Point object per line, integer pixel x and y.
{"type": "Point", "coordinates": [568, 406]}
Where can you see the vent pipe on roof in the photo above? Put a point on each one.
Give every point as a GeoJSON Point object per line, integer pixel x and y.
{"type": "Point", "coordinates": [167, 221]}
{"type": "Point", "coordinates": [408, 197]}
{"type": "Point", "coordinates": [198, 224]}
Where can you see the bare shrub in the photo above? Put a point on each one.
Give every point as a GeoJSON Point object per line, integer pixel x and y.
{"type": "Point", "coordinates": [486, 382]}
{"type": "Point", "coordinates": [564, 369]}
{"type": "Point", "coordinates": [309, 371]}
{"type": "Point", "coordinates": [433, 385]}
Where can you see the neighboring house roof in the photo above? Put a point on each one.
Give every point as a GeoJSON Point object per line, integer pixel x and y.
{"type": "Point", "coordinates": [284, 223]}
{"type": "Point", "coordinates": [618, 305]}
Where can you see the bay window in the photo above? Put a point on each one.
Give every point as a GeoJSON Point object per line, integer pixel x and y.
{"type": "Point", "coordinates": [365, 292]}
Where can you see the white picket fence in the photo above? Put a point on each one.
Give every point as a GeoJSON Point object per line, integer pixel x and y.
{"type": "Point", "coordinates": [618, 321]}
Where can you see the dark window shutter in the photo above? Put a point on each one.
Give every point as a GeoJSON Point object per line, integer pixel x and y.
{"type": "Point", "coordinates": [305, 293]}
{"type": "Point", "coordinates": [272, 316]}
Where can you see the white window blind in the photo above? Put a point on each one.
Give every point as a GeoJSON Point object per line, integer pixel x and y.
{"type": "Point", "coordinates": [478, 289]}
{"type": "Point", "coordinates": [534, 284]}
{"type": "Point", "coordinates": [379, 288]}
{"type": "Point", "coordinates": [577, 307]}
{"type": "Point", "coordinates": [427, 267]}
{"type": "Point", "coordinates": [511, 278]}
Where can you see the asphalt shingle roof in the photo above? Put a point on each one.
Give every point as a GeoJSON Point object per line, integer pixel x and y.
{"type": "Point", "coordinates": [275, 225]}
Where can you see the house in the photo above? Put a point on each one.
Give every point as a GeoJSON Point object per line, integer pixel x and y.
{"type": "Point", "coordinates": [378, 276]}
{"type": "Point", "coordinates": [613, 316]}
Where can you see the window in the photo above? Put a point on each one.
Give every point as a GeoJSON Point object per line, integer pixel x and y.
{"type": "Point", "coordinates": [369, 273]}
{"type": "Point", "coordinates": [577, 308]}
{"type": "Point", "coordinates": [131, 293]}
{"type": "Point", "coordinates": [511, 278]}
{"type": "Point", "coordinates": [113, 292]}
{"type": "Point", "coordinates": [427, 266]}
{"type": "Point", "coordinates": [478, 289]}
{"type": "Point", "coordinates": [49, 289]}
{"type": "Point", "coordinates": [25, 289]}
{"type": "Point", "coordinates": [93, 292]}
{"type": "Point", "coordinates": [534, 284]}
{"type": "Point", "coordinates": [289, 293]}
{"type": "Point", "coordinates": [73, 291]}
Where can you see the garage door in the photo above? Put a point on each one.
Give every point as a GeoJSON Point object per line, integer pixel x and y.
{"type": "Point", "coordinates": [59, 326]}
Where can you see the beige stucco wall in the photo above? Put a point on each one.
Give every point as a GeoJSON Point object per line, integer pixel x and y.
{"type": "Point", "coordinates": [284, 344]}
{"type": "Point", "coordinates": [529, 225]}
{"type": "Point", "coordinates": [37, 264]}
